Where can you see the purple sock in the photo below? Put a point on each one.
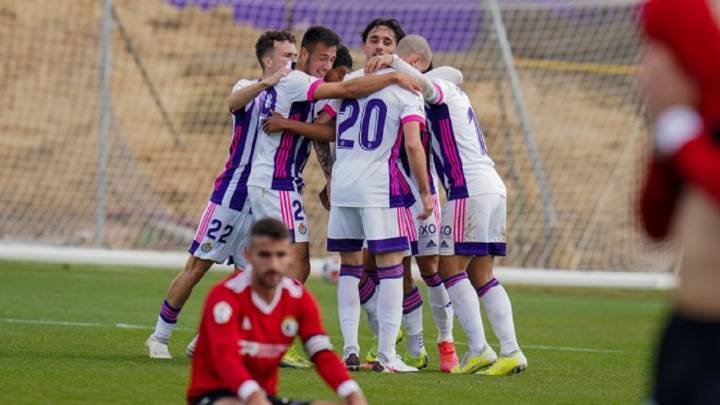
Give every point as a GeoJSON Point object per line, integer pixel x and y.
{"type": "Point", "coordinates": [412, 301]}
{"type": "Point", "coordinates": [490, 284]}
{"type": "Point", "coordinates": [351, 271]}
{"type": "Point", "coordinates": [168, 313]}
{"type": "Point", "coordinates": [367, 290]}
{"type": "Point", "coordinates": [432, 280]}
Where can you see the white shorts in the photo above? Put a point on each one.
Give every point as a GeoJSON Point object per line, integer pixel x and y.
{"type": "Point", "coordinates": [426, 241]}
{"type": "Point", "coordinates": [222, 235]}
{"type": "Point", "coordinates": [474, 226]}
{"type": "Point", "coordinates": [286, 206]}
{"type": "Point", "coordinates": [384, 229]}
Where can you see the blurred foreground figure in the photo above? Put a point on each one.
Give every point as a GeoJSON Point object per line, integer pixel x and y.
{"type": "Point", "coordinates": [680, 80]}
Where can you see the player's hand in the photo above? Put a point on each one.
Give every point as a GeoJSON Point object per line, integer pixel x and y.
{"type": "Point", "coordinates": [356, 398]}
{"type": "Point", "coordinates": [273, 123]}
{"type": "Point", "coordinates": [257, 398]}
{"type": "Point", "coordinates": [274, 78]}
{"type": "Point", "coordinates": [408, 82]}
{"type": "Point", "coordinates": [427, 203]}
{"type": "Point", "coordinates": [378, 62]}
{"type": "Point", "coordinates": [663, 83]}
{"type": "Point", "coordinates": [325, 197]}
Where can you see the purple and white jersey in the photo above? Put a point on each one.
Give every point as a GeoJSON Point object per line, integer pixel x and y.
{"type": "Point", "coordinates": [368, 141]}
{"type": "Point", "coordinates": [459, 150]}
{"type": "Point", "coordinates": [231, 185]}
{"type": "Point", "coordinates": [280, 159]}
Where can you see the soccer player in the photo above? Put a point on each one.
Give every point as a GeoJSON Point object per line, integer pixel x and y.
{"type": "Point", "coordinates": [681, 196]}
{"type": "Point", "coordinates": [248, 323]}
{"type": "Point", "coordinates": [222, 232]}
{"type": "Point", "coordinates": [474, 190]}
{"type": "Point", "coordinates": [275, 184]}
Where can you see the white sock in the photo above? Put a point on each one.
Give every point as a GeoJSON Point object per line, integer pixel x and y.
{"type": "Point", "coordinates": [412, 320]}
{"type": "Point", "coordinates": [441, 307]}
{"type": "Point", "coordinates": [163, 330]}
{"type": "Point", "coordinates": [349, 307]}
{"type": "Point", "coordinates": [389, 309]}
{"type": "Point", "coordinates": [368, 300]}
{"type": "Point", "coordinates": [467, 308]}
{"type": "Point", "coordinates": [499, 311]}
{"type": "Point", "coordinates": [167, 320]}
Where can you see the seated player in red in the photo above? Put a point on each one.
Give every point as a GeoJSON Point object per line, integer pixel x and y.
{"type": "Point", "coordinates": [248, 323]}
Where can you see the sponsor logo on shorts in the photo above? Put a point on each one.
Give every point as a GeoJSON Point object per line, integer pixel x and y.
{"type": "Point", "coordinates": [426, 230]}
{"type": "Point", "coordinates": [431, 244]}
{"type": "Point", "coordinates": [446, 230]}
{"type": "Point", "coordinates": [444, 245]}
{"type": "Point", "coordinates": [302, 228]}
{"type": "Point", "coordinates": [206, 247]}
{"type": "Point", "coordinates": [289, 326]}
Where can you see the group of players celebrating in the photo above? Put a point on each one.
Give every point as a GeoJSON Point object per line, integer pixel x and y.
{"type": "Point", "coordinates": [397, 124]}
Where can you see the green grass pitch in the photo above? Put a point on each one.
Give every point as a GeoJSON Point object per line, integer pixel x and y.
{"type": "Point", "coordinates": [60, 343]}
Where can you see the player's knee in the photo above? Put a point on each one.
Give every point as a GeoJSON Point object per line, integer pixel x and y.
{"type": "Point", "coordinates": [196, 268]}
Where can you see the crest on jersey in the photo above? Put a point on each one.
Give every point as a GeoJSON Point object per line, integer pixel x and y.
{"type": "Point", "coordinates": [302, 228]}
{"type": "Point", "coordinates": [222, 312]}
{"type": "Point", "coordinates": [246, 324]}
{"type": "Point", "coordinates": [289, 326]}
{"type": "Point", "coordinates": [206, 247]}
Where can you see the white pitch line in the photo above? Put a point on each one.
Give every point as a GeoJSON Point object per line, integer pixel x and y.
{"type": "Point", "coordinates": [121, 325]}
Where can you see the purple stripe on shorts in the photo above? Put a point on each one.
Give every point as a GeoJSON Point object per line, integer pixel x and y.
{"type": "Point", "coordinates": [367, 290]}
{"type": "Point", "coordinates": [412, 301]}
{"type": "Point", "coordinates": [395, 271]}
{"type": "Point", "coordinates": [490, 284]}
{"type": "Point", "coordinates": [432, 280]}
{"type": "Point", "coordinates": [193, 247]}
{"type": "Point", "coordinates": [414, 248]}
{"type": "Point", "coordinates": [373, 275]}
{"type": "Point", "coordinates": [452, 280]}
{"type": "Point", "coordinates": [351, 271]}
{"type": "Point", "coordinates": [480, 249]}
{"type": "Point", "coordinates": [387, 245]}
{"type": "Point", "coordinates": [344, 245]}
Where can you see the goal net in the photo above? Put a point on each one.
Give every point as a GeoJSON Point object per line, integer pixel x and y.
{"type": "Point", "coordinates": [568, 136]}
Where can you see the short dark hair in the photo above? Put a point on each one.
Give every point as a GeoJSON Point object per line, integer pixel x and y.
{"type": "Point", "coordinates": [343, 58]}
{"type": "Point", "coordinates": [317, 34]}
{"type": "Point", "coordinates": [271, 228]}
{"type": "Point", "coordinates": [267, 40]}
{"type": "Point", "coordinates": [391, 23]}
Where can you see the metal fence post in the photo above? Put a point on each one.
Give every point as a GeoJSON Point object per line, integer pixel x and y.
{"type": "Point", "coordinates": [104, 115]}
{"type": "Point", "coordinates": [523, 116]}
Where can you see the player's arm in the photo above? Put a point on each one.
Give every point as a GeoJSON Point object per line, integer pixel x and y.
{"type": "Point", "coordinates": [241, 97]}
{"type": "Point", "coordinates": [364, 86]}
{"type": "Point", "coordinates": [449, 73]}
{"type": "Point", "coordinates": [220, 317]}
{"type": "Point", "coordinates": [322, 129]}
{"type": "Point", "coordinates": [379, 62]}
{"type": "Point", "coordinates": [318, 347]}
{"type": "Point", "coordinates": [418, 162]}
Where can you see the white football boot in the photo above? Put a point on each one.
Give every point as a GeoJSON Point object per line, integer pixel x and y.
{"type": "Point", "coordinates": [156, 348]}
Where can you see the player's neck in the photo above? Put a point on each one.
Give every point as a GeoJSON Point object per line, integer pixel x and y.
{"type": "Point", "coordinates": [266, 294]}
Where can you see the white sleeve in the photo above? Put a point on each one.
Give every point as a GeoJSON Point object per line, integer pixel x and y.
{"type": "Point", "coordinates": [404, 67]}
{"type": "Point", "coordinates": [299, 86]}
{"type": "Point", "coordinates": [242, 83]}
{"type": "Point", "coordinates": [448, 73]}
{"type": "Point", "coordinates": [413, 109]}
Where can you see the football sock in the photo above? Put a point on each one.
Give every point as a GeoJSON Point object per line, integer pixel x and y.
{"type": "Point", "coordinates": [441, 307]}
{"type": "Point", "coordinates": [349, 307]}
{"type": "Point", "coordinates": [499, 311]}
{"type": "Point", "coordinates": [389, 309]}
{"type": "Point", "coordinates": [467, 308]}
{"type": "Point", "coordinates": [412, 320]}
{"type": "Point", "coordinates": [167, 320]}
{"type": "Point", "coordinates": [368, 300]}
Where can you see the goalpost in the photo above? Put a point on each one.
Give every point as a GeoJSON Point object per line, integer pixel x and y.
{"type": "Point", "coordinates": [126, 163]}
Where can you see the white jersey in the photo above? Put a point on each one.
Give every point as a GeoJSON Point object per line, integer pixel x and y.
{"type": "Point", "coordinates": [280, 158]}
{"type": "Point", "coordinates": [459, 150]}
{"type": "Point", "coordinates": [231, 184]}
{"type": "Point", "coordinates": [368, 140]}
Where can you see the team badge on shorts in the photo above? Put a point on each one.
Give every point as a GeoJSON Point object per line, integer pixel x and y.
{"type": "Point", "coordinates": [289, 326]}
{"type": "Point", "coordinates": [302, 228]}
{"type": "Point", "coordinates": [206, 247]}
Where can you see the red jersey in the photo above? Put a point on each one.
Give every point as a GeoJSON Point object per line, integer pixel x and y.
{"type": "Point", "coordinates": [242, 339]}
